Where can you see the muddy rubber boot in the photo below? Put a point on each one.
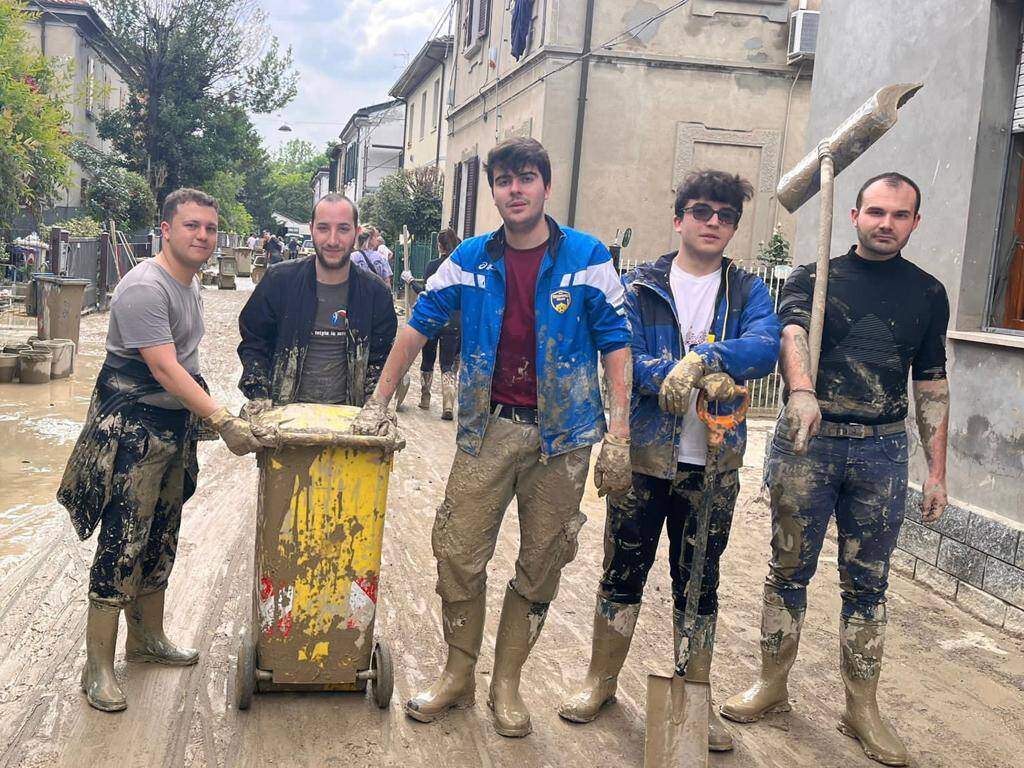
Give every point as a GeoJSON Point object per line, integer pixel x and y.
{"type": "Point", "coordinates": [861, 644]}
{"type": "Point", "coordinates": [456, 687]}
{"type": "Point", "coordinates": [146, 638]}
{"type": "Point", "coordinates": [403, 390]}
{"type": "Point", "coordinates": [98, 681]}
{"type": "Point", "coordinates": [780, 638]}
{"type": "Point", "coordinates": [426, 379]}
{"type": "Point", "coordinates": [519, 628]}
{"type": "Point", "coordinates": [698, 670]}
{"type": "Point", "coordinates": [613, 630]}
{"type": "Point", "coordinates": [448, 388]}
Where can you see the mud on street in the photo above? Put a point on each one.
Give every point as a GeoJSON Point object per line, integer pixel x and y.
{"type": "Point", "coordinates": [953, 687]}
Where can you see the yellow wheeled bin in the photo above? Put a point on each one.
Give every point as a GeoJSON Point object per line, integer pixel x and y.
{"type": "Point", "coordinates": [319, 531]}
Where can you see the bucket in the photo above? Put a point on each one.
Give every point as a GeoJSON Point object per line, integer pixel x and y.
{"type": "Point", "coordinates": [8, 367]}
{"type": "Point", "coordinates": [16, 349]}
{"type": "Point", "coordinates": [35, 366]}
{"type": "Point", "coordinates": [63, 351]}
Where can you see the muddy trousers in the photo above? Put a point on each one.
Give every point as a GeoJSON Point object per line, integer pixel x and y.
{"type": "Point", "coordinates": [138, 535]}
{"type": "Point", "coordinates": [548, 493]}
{"type": "Point", "coordinates": [633, 528]}
{"type": "Point", "coordinates": [449, 345]}
{"type": "Point", "coordinates": [863, 482]}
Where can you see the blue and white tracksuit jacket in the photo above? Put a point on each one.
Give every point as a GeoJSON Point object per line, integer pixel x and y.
{"type": "Point", "coordinates": [746, 335]}
{"type": "Point", "coordinates": [579, 312]}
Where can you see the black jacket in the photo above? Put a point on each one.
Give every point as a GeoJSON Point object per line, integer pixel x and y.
{"type": "Point", "coordinates": [277, 321]}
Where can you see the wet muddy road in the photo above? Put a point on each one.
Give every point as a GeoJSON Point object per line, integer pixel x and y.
{"type": "Point", "coordinates": [953, 687]}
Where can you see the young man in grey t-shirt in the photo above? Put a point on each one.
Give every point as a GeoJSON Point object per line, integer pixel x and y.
{"type": "Point", "coordinates": [134, 464]}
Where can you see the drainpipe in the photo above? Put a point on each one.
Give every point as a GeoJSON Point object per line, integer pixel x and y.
{"type": "Point", "coordinates": [581, 113]}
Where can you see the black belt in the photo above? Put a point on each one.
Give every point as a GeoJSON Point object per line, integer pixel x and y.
{"type": "Point", "coordinates": [516, 413]}
{"type": "Point", "coordinates": [860, 431]}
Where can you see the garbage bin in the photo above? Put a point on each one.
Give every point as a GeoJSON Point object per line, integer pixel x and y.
{"type": "Point", "coordinates": [227, 268]}
{"type": "Point", "coordinates": [243, 258]}
{"type": "Point", "coordinates": [32, 297]}
{"type": "Point", "coordinates": [60, 307]}
{"type": "Point", "coordinates": [319, 532]}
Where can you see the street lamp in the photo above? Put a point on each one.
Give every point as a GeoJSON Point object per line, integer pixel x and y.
{"type": "Point", "coordinates": [285, 127]}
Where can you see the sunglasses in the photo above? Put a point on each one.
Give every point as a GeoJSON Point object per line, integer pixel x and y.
{"type": "Point", "coordinates": [730, 217]}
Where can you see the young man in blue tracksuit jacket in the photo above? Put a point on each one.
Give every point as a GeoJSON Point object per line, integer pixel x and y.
{"type": "Point", "coordinates": [698, 322]}
{"type": "Point", "coordinates": [538, 303]}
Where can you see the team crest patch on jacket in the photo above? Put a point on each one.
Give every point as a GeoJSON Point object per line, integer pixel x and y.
{"type": "Point", "coordinates": [560, 301]}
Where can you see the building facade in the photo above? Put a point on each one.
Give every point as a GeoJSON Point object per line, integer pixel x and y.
{"type": "Point", "coordinates": [370, 148]}
{"type": "Point", "coordinates": [960, 138]}
{"type": "Point", "coordinates": [423, 87]}
{"type": "Point", "coordinates": [628, 98]}
{"type": "Point", "coordinates": [72, 34]}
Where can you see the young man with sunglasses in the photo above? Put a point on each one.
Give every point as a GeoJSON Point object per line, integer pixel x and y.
{"type": "Point", "coordinates": [698, 322]}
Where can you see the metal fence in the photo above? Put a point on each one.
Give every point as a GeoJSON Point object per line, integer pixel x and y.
{"type": "Point", "coordinates": [83, 261]}
{"type": "Point", "coordinates": [765, 393]}
{"type": "Point", "coordinates": [420, 252]}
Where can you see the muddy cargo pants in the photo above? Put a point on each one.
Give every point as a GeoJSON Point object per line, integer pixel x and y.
{"type": "Point", "coordinates": [863, 481]}
{"type": "Point", "coordinates": [547, 492]}
{"type": "Point", "coordinates": [139, 527]}
{"type": "Point", "coordinates": [633, 528]}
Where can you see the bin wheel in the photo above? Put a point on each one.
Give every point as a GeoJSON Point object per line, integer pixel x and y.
{"type": "Point", "coordinates": [245, 674]}
{"type": "Point", "coordinates": [382, 684]}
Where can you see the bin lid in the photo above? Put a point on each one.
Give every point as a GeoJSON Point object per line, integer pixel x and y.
{"type": "Point", "coordinates": [314, 424]}
{"type": "Point", "coordinates": [72, 281]}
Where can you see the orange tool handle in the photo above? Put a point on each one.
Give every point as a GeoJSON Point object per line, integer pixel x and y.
{"type": "Point", "coordinates": [719, 424]}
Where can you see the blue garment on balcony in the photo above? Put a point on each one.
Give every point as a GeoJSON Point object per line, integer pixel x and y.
{"type": "Point", "coordinates": [521, 18]}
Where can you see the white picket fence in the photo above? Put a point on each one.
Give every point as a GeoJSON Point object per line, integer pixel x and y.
{"type": "Point", "coordinates": [765, 393]}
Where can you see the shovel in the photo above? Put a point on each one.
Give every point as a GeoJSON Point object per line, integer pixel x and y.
{"type": "Point", "coordinates": [677, 709]}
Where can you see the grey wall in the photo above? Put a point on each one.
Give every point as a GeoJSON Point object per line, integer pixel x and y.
{"type": "Point", "coordinates": [952, 138]}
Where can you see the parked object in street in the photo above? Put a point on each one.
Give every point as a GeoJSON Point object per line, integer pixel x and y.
{"type": "Point", "coordinates": [34, 366]}
{"type": "Point", "coordinates": [60, 307]}
{"type": "Point", "coordinates": [319, 532]}
{"type": "Point", "coordinates": [63, 351]}
{"type": "Point", "coordinates": [16, 349]}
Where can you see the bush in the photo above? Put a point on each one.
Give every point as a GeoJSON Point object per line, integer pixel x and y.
{"type": "Point", "coordinates": [776, 251]}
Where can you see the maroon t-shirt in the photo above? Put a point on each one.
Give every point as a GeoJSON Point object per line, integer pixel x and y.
{"type": "Point", "coordinates": [515, 366]}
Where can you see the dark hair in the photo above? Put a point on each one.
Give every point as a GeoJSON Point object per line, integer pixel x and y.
{"type": "Point", "coordinates": [335, 197]}
{"type": "Point", "coordinates": [719, 186]}
{"type": "Point", "coordinates": [447, 241]}
{"type": "Point", "coordinates": [517, 154]}
{"type": "Point", "coordinates": [185, 195]}
{"type": "Point", "coordinates": [893, 179]}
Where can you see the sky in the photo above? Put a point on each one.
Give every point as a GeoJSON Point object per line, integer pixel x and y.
{"type": "Point", "coordinates": [348, 54]}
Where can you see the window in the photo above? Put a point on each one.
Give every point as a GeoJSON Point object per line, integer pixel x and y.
{"type": "Point", "coordinates": [437, 104]}
{"type": "Point", "coordinates": [90, 84]}
{"type": "Point", "coordinates": [412, 123]}
{"type": "Point", "coordinates": [464, 191]}
{"type": "Point", "coordinates": [423, 112]}
{"type": "Point", "coordinates": [476, 23]}
{"type": "Point", "coordinates": [1007, 296]}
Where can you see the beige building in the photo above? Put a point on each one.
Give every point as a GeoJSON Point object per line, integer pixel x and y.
{"type": "Point", "coordinates": [72, 33]}
{"type": "Point", "coordinates": [666, 88]}
{"type": "Point", "coordinates": [423, 87]}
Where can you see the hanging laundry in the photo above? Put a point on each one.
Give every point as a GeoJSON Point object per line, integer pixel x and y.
{"type": "Point", "coordinates": [521, 18]}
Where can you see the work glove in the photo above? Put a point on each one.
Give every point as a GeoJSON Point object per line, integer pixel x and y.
{"type": "Point", "coordinates": [674, 395]}
{"type": "Point", "coordinates": [719, 386]}
{"type": "Point", "coordinates": [407, 276]}
{"type": "Point", "coordinates": [613, 472]}
{"type": "Point", "coordinates": [803, 416]}
{"type": "Point", "coordinates": [374, 419]}
{"type": "Point", "coordinates": [255, 407]}
{"type": "Point", "coordinates": [236, 433]}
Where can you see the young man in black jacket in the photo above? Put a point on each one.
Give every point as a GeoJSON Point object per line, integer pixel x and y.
{"type": "Point", "coordinates": [315, 330]}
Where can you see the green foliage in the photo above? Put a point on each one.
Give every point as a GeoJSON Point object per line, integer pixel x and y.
{"type": "Point", "coordinates": [33, 141]}
{"type": "Point", "coordinates": [114, 192]}
{"type": "Point", "coordinates": [80, 226]}
{"type": "Point", "coordinates": [292, 195]}
{"type": "Point", "coordinates": [775, 252]}
{"type": "Point", "coordinates": [226, 186]}
{"type": "Point", "coordinates": [410, 198]}
{"type": "Point", "coordinates": [298, 156]}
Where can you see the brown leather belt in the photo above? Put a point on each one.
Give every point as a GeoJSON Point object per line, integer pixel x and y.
{"type": "Point", "coordinates": [860, 431]}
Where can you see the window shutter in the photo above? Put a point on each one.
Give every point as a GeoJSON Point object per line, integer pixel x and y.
{"type": "Point", "coordinates": [1018, 98]}
{"type": "Point", "coordinates": [484, 18]}
{"type": "Point", "coordinates": [472, 177]}
{"type": "Point", "coordinates": [467, 25]}
{"type": "Point", "coordinates": [456, 191]}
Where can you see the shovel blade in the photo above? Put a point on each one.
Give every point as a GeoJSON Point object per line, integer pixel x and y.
{"type": "Point", "coordinates": [676, 734]}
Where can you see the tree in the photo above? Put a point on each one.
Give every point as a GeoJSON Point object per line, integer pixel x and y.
{"type": "Point", "coordinates": [115, 192]}
{"type": "Point", "coordinates": [410, 198]}
{"type": "Point", "coordinates": [226, 186]}
{"type": "Point", "coordinates": [299, 156]}
{"type": "Point", "coordinates": [199, 66]}
{"type": "Point", "coordinates": [292, 195]}
{"type": "Point", "coordinates": [33, 141]}
{"type": "Point", "coordinates": [776, 251]}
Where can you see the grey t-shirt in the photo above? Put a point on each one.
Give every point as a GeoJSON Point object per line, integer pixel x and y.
{"type": "Point", "coordinates": [325, 367]}
{"type": "Point", "coordinates": [150, 308]}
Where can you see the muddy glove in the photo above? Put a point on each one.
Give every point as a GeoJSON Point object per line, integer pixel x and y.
{"type": "Point", "coordinates": [255, 407]}
{"type": "Point", "coordinates": [407, 276]}
{"type": "Point", "coordinates": [674, 395]}
{"type": "Point", "coordinates": [613, 472]}
{"type": "Point", "coordinates": [235, 432]}
{"type": "Point", "coordinates": [803, 417]}
{"type": "Point", "coordinates": [719, 386]}
{"type": "Point", "coordinates": [374, 419]}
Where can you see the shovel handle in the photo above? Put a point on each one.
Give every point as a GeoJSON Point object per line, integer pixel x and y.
{"type": "Point", "coordinates": [719, 424]}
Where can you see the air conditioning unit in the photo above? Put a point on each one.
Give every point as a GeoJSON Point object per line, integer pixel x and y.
{"type": "Point", "coordinates": [803, 35]}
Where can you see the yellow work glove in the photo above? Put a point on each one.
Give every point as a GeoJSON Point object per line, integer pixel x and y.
{"type": "Point", "coordinates": [374, 419]}
{"type": "Point", "coordinates": [719, 386]}
{"type": "Point", "coordinates": [674, 395]}
{"type": "Point", "coordinates": [613, 472]}
{"type": "Point", "coordinates": [255, 407]}
{"type": "Point", "coordinates": [235, 432]}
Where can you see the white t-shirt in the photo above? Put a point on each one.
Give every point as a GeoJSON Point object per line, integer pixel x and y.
{"type": "Point", "coordinates": [695, 306]}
